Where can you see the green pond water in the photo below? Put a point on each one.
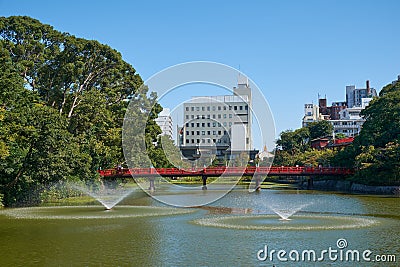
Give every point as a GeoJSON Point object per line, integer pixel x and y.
{"type": "Point", "coordinates": [229, 232]}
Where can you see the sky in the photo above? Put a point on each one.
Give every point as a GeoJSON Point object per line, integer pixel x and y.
{"type": "Point", "coordinates": [292, 50]}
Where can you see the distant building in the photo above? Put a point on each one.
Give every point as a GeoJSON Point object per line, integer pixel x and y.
{"type": "Point", "coordinates": [222, 122]}
{"type": "Point", "coordinates": [398, 80]}
{"type": "Point", "coordinates": [335, 109]}
{"type": "Point", "coordinates": [355, 95]}
{"type": "Point", "coordinates": [311, 114]}
{"type": "Point", "coordinates": [164, 120]}
{"type": "Point", "coordinates": [344, 116]}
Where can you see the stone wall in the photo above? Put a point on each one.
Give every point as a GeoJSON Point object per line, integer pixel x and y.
{"type": "Point", "coordinates": [347, 186]}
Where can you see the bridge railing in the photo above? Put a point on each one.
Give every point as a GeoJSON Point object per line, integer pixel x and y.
{"type": "Point", "coordinates": [216, 171]}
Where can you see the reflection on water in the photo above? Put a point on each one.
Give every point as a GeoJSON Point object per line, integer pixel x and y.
{"type": "Point", "coordinates": [246, 221]}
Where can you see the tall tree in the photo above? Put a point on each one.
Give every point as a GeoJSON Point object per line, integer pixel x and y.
{"type": "Point", "coordinates": [320, 129]}
{"type": "Point", "coordinates": [62, 103]}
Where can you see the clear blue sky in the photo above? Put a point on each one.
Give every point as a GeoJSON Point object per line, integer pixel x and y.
{"type": "Point", "coordinates": [292, 50]}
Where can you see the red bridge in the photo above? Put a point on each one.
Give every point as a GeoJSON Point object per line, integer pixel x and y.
{"type": "Point", "coordinates": [227, 171]}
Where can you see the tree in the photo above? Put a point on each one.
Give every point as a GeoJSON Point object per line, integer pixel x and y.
{"type": "Point", "coordinates": [294, 141]}
{"type": "Point", "coordinates": [320, 129]}
{"type": "Point", "coordinates": [62, 104]}
{"type": "Point", "coordinates": [376, 150]}
{"type": "Point", "coordinates": [340, 136]}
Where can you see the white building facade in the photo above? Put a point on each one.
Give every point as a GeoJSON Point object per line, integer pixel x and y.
{"type": "Point", "coordinates": [223, 122]}
{"type": "Point", "coordinates": [164, 120]}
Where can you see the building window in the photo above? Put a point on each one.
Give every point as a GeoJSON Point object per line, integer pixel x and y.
{"type": "Point", "coordinates": [203, 116]}
{"type": "Point", "coordinates": [187, 108]}
{"type": "Point", "coordinates": [208, 108]}
{"type": "Point", "coordinates": [208, 140]}
{"type": "Point", "coordinates": [197, 116]}
{"type": "Point", "coordinates": [214, 133]}
{"type": "Point", "coordinates": [203, 108]}
{"type": "Point", "coordinates": [192, 124]}
{"type": "Point", "coordinates": [208, 116]}
{"type": "Point", "coordinates": [246, 107]}
{"type": "Point", "coordinates": [208, 124]}
{"type": "Point", "coordinates": [192, 108]}
{"type": "Point", "coordinates": [235, 107]}
{"type": "Point", "coordinates": [197, 108]}
{"type": "Point", "coordinates": [214, 140]}
{"type": "Point", "coordinates": [225, 132]}
{"type": "Point", "coordinates": [213, 108]}
{"type": "Point", "coordinates": [198, 132]}
{"type": "Point", "coordinates": [224, 116]}
{"type": "Point", "coordinates": [230, 107]}
{"type": "Point", "coordinates": [208, 132]}
{"type": "Point", "coordinates": [240, 107]}
{"type": "Point", "coordinates": [219, 132]}
{"type": "Point", "coordinates": [192, 141]}
{"type": "Point", "coordinates": [224, 107]}
{"type": "Point", "coordinates": [187, 141]}
{"type": "Point", "coordinates": [230, 116]}
{"type": "Point", "coordinates": [213, 116]}
{"type": "Point", "coordinates": [187, 124]}
{"type": "Point", "coordinates": [187, 117]}
{"type": "Point", "coordinates": [219, 124]}
{"type": "Point", "coordinates": [214, 124]}
{"type": "Point", "coordinates": [219, 107]}
{"type": "Point", "coordinates": [203, 132]}
{"type": "Point", "coordinates": [192, 116]}
{"type": "Point", "coordinates": [198, 141]}
{"type": "Point", "coordinates": [187, 132]}
{"type": "Point", "coordinates": [203, 124]}
{"type": "Point", "coordinates": [219, 116]}
{"type": "Point", "coordinates": [230, 123]}
{"type": "Point", "coordinates": [192, 132]}
{"type": "Point", "coordinates": [198, 124]}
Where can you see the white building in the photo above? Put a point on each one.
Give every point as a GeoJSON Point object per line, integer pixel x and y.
{"type": "Point", "coordinates": [311, 114]}
{"type": "Point", "coordinates": [222, 121]}
{"type": "Point", "coordinates": [355, 95]}
{"type": "Point", "coordinates": [164, 120]}
{"type": "Point", "coordinates": [350, 121]}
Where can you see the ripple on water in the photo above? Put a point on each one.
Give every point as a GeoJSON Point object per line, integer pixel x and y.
{"type": "Point", "coordinates": [91, 212]}
{"type": "Point", "coordinates": [298, 222]}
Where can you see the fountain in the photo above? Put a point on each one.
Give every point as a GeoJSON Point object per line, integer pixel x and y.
{"type": "Point", "coordinates": [286, 205]}
{"type": "Point", "coordinates": [287, 211]}
{"type": "Point", "coordinates": [106, 196]}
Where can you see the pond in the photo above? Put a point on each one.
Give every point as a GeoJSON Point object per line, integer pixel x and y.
{"type": "Point", "coordinates": [240, 229]}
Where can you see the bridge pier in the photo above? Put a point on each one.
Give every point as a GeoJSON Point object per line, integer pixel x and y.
{"type": "Point", "coordinates": [204, 179]}
{"type": "Point", "coordinates": [310, 182]}
{"type": "Point", "coordinates": [152, 187]}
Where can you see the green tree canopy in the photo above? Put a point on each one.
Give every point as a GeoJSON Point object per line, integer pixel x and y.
{"type": "Point", "coordinates": [320, 129]}
{"type": "Point", "coordinates": [62, 104]}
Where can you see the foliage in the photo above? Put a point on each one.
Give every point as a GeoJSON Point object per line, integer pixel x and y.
{"type": "Point", "coordinates": [376, 152]}
{"type": "Point", "coordinates": [315, 158]}
{"type": "Point", "coordinates": [340, 136]}
{"type": "Point", "coordinates": [294, 141]}
{"type": "Point", "coordinates": [320, 129]}
{"type": "Point", "coordinates": [62, 103]}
